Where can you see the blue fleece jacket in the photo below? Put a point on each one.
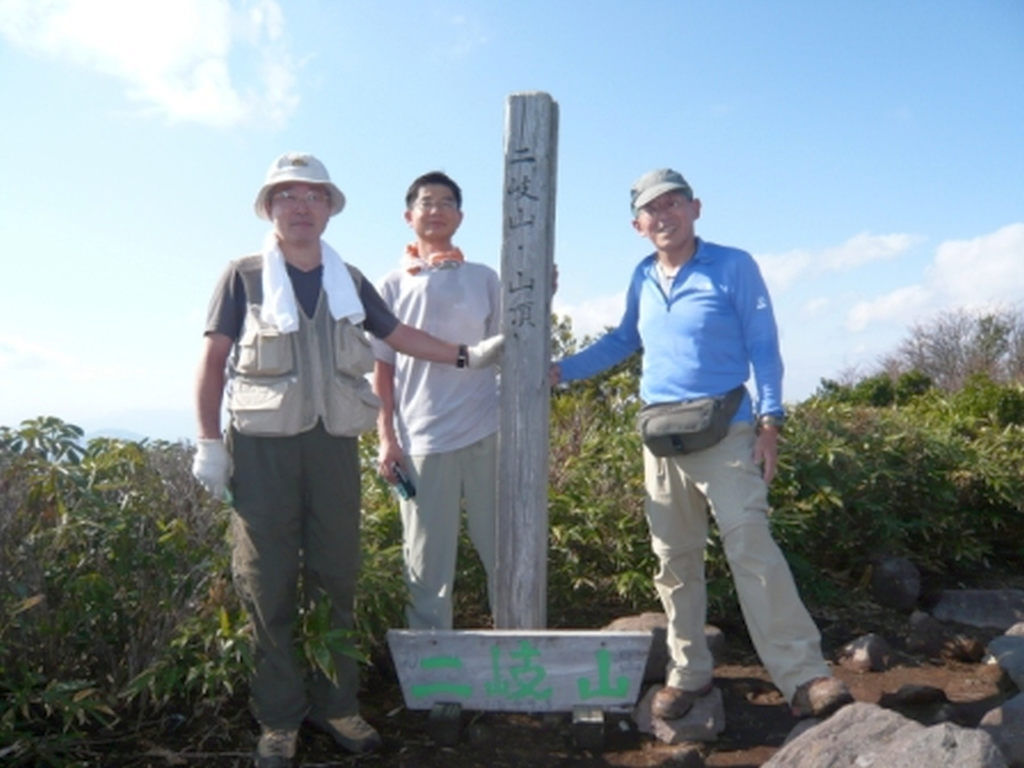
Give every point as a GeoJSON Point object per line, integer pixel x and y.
{"type": "Point", "coordinates": [702, 339]}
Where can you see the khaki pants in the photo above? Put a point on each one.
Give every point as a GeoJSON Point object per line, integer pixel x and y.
{"type": "Point", "coordinates": [297, 514]}
{"type": "Point", "coordinates": [724, 479]}
{"type": "Point", "coordinates": [431, 522]}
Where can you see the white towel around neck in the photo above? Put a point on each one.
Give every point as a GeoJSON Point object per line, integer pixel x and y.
{"type": "Point", "coordinates": [280, 308]}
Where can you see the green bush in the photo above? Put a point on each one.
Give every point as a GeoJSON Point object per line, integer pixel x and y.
{"type": "Point", "coordinates": [923, 481]}
{"type": "Point", "coordinates": [115, 594]}
{"type": "Point", "coordinates": [112, 581]}
{"type": "Point", "coordinates": [599, 547]}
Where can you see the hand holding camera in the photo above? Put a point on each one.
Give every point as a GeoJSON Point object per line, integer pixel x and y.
{"type": "Point", "coordinates": [403, 487]}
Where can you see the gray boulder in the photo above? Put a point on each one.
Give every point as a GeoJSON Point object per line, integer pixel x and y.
{"type": "Point", "coordinates": [896, 583]}
{"type": "Point", "coordinates": [702, 723]}
{"type": "Point", "coordinates": [946, 639]}
{"type": "Point", "coordinates": [926, 635]}
{"type": "Point", "coordinates": [868, 653]}
{"type": "Point", "coordinates": [657, 624]}
{"type": "Point", "coordinates": [1005, 724]}
{"type": "Point", "coordinates": [987, 608]}
{"type": "Point", "coordinates": [943, 746]}
{"type": "Point", "coordinates": [1008, 651]}
{"type": "Point", "coordinates": [864, 735]}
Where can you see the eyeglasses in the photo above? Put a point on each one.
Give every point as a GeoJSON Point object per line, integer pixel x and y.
{"type": "Point", "coordinates": [672, 204]}
{"type": "Point", "coordinates": [289, 198]}
{"type": "Point", "coordinates": [441, 205]}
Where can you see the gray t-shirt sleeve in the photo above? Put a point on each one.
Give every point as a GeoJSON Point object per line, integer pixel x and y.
{"type": "Point", "coordinates": [380, 320]}
{"type": "Point", "coordinates": [226, 312]}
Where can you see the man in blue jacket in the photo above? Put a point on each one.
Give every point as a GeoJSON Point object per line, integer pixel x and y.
{"type": "Point", "coordinates": [702, 315]}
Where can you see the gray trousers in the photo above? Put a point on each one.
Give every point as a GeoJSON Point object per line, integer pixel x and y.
{"type": "Point", "coordinates": [296, 526]}
{"type": "Point", "coordinates": [431, 522]}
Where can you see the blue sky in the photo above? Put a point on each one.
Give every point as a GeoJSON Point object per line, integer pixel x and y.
{"type": "Point", "coordinates": [870, 156]}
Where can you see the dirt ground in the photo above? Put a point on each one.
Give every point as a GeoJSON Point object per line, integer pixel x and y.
{"type": "Point", "coordinates": [757, 720]}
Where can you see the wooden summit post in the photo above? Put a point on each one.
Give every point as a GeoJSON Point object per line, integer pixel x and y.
{"type": "Point", "coordinates": [527, 274]}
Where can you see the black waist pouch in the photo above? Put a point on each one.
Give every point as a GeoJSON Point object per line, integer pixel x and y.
{"type": "Point", "coordinates": [693, 425]}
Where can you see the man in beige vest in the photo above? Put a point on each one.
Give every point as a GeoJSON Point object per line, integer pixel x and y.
{"type": "Point", "coordinates": [285, 333]}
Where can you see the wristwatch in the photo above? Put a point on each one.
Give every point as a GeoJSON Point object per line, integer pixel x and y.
{"type": "Point", "coordinates": [463, 359]}
{"type": "Point", "coordinates": [770, 420]}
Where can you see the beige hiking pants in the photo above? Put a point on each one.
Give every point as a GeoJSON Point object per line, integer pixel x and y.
{"type": "Point", "coordinates": [724, 479]}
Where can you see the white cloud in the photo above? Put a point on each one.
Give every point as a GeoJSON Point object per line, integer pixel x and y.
{"type": "Point", "coordinates": [28, 365]}
{"type": "Point", "coordinates": [985, 271]}
{"type": "Point", "coordinates": [816, 307]}
{"type": "Point", "coordinates": [19, 356]}
{"type": "Point", "coordinates": [978, 273]}
{"type": "Point", "coordinates": [899, 305]}
{"type": "Point", "coordinates": [783, 270]}
{"type": "Point", "coordinates": [183, 59]}
{"type": "Point", "coordinates": [866, 248]}
{"type": "Point", "coordinates": [593, 316]}
{"type": "Point", "coordinates": [80, 385]}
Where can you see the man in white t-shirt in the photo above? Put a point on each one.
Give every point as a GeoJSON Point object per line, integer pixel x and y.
{"type": "Point", "coordinates": [439, 425]}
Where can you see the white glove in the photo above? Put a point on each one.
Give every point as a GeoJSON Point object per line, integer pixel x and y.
{"type": "Point", "coordinates": [486, 352]}
{"type": "Point", "coordinates": [212, 466]}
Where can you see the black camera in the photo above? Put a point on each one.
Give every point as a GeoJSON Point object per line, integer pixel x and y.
{"type": "Point", "coordinates": [404, 486]}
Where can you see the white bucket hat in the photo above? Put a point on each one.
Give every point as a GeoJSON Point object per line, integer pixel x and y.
{"type": "Point", "coordinates": [297, 166]}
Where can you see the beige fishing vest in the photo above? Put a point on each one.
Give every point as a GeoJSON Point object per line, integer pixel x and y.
{"type": "Point", "coordinates": [283, 383]}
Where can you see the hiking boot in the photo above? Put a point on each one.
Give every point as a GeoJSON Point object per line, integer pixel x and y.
{"type": "Point", "coordinates": [351, 732]}
{"type": "Point", "coordinates": [276, 748]}
{"type": "Point", "coordinates": [671, 703]}
{"type": "Point", "coordinates": [820, 697]}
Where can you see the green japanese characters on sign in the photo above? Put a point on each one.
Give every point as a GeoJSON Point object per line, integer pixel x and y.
{"type": "Point", "coordinates": [520, 670]}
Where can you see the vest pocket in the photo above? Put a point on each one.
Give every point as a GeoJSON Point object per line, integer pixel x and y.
{"type": "Point", "coordinates": [353, 355]}
{"type": "Point", "coordinates": [352, 407]}
{"type": "Point", "coordinates": [263, 350]}
{"type": "Point", "coordinates": [266, 407]}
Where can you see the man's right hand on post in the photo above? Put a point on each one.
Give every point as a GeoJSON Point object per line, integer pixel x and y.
{"type": "Point", "coordinates": [486, 352]}
{"type": "Point", "coordinates": [212, 466]}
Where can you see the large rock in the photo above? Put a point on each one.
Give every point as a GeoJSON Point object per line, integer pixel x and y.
{"type": "Point", "coordinates": [1008, 651]}
{"type": "Point", "coordinates": [896, 583]}
{"type": "Point", "coordinates": [702, 723]}
{"type": "Point", "coordinates": [926, 635]}
{"type": "Point", "coordinates": [946, 640]}
{"type": "Point", "coordinates": [657, 625]}
{"type": "Point", "coordinates": [987, 608]}
{"type": "Point", "coordinates": [943, 746]}
{"type": "Point", "coordinates": [1005, 724]}
{"type": "Point", "coordinates": [863, 734]}
{"type": "Point", "coordinates": [868, 653]}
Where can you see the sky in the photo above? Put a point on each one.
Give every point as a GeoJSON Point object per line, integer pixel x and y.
{"type": "Point", "coordinates": [870, 156]}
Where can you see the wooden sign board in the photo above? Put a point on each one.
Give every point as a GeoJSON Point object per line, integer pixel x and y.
{"type": "Point", "coordinates": [520, 670]}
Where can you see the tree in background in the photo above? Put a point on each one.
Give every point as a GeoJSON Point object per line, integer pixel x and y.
{"type": "Point", "coordinates": [958, 344]}
{"type": "Point", "coordinates": [955, 351]}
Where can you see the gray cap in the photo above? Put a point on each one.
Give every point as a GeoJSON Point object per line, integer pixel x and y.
{"type": "Point", "coordinates": [300, 167]}
{"type": "Point", "coordinates": [656, 183]}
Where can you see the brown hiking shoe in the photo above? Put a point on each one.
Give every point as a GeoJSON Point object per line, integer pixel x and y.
{"type": "Point", "coordinates": [276, 748]}
{"type": "Point", "coordinates": [820, 697]}
{"type": "Point", "coordinates": [671, 703]}
{"type": "Point", "coordinates": [351, 732]}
